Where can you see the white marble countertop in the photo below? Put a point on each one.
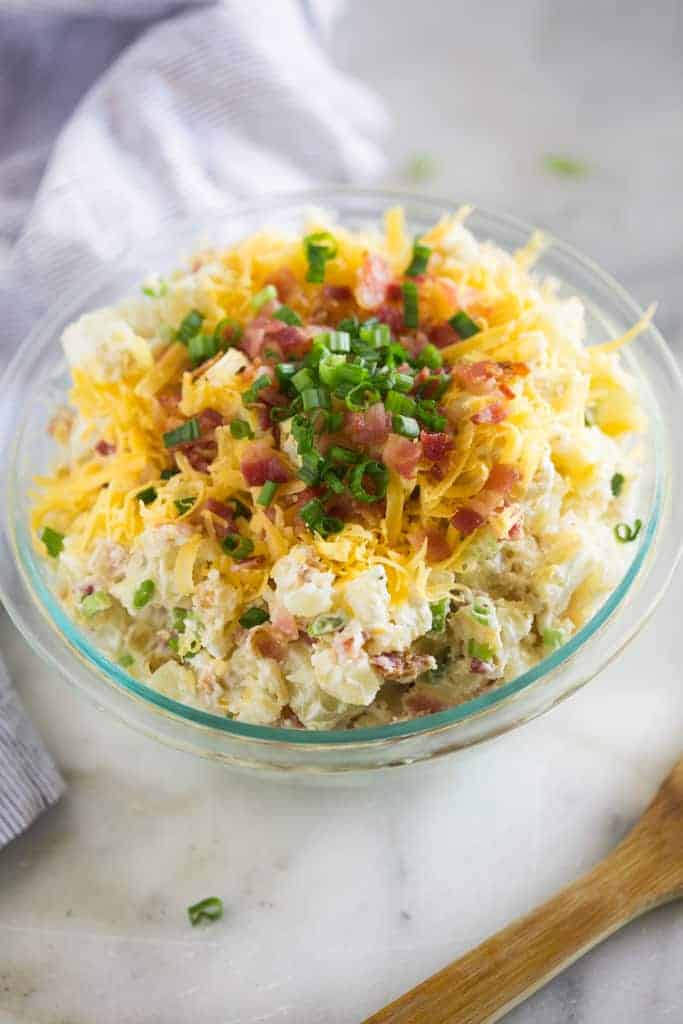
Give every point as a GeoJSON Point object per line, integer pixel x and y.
{"type": "Point", "coordinates": [338, 899]}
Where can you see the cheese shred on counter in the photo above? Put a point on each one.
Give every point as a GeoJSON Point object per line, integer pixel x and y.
{"type": "Point", "coordinates": [343, 479]}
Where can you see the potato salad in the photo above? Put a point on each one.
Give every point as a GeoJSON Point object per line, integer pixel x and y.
{"type": "Point", "coordinates": [340, 479]}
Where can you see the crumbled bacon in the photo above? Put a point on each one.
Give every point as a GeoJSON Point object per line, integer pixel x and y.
{"type": "Point", "coordinates": [374, 275]}
{"type": "Point", "coordinates": [435, 445]}
{"type": "Point", "coordinates": [424, 704]}
{"type": "Point", "coordinates": [370, 427]}
{"type": "Point", "coordinates": [466, 520]}
{"type": "Point", "coordinates": [502, 478]}
{"type": "Point", "coordinates": [493, 495]}
{"type": "Point", "coordinates": [209, 419]}
{"type": "Point", "coordinates": [270, 645]}
{"type": "Point", "coordinates": [402, 455]}
{"type": "Point", "coordinates": [104, 448]}
{"type": "Point", "coordinates": [394, 292]}
{"type": "Point", "coordinates": [402, 666]}
{"type": "Point", "coordinates": [264, 330]}
{"type": "Point", "coordinates": [478, 378]}
{"type": "Point", "coordinates": [337, 293]}
{"type": "Point", "coordinates": [506, 390]}
{"type": "Point", "coordinates": [391, 316]}
{"type": "Point", "coordinates": [220, 509]}
{"type": "Point", "coordinates": [438, 548]}
{"type": "Point", "coordinates": [443, 335]}
{"type": "Point", "coordinates": [516, 531]}
{"type": "Point", "coordinates": [285, 282]}
{"type": "Point", "coordinates": [284, 622]}
{"type": "Point", "coordinates": [261, 463]}
{"type": "Point", "coordinates": [480, 667]}
{"type": "Point", "coordinates": [414, 343]}
{"type": "Point", "coordinates": [493, 413]}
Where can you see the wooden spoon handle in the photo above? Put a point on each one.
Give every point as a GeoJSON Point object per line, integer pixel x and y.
{"type": "Point", "coordinates": [493, 978]}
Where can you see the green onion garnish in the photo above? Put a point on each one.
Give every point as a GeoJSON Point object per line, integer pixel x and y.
{"type": "Point", "coordinates": [166, 474]}
{"type": "Point", "coordinates": [285, 371]}
{"type": "Point", "coordinates": [398, 403]}
{"type": "Point", "coordinates": [418, 264]}
{"type": "Point", "coordinates": [564, 166]}
{"type": "Point", "coordinates": [312, 512]}
{"type": "Point", "coordinates": [324, 624]}
{"type": "Point", "coordinates": [439, 610]}
{"type": "Point", "coordinates": [426, 413]}
{"type": "Point", "coordinates": [186, 432]}
{"type": "Point", "coordinates": [616, 483]}
{"type": "Point", "coordinates": [144, 594]}
{"type": "Point", "coordinates": [464, 325]}
{"type": "Point", "coordinates": [410, 304]}
{"type": "Point", "coordinates": [331, 480]}
{"type": "Point", "coordinates": [625, 533]}
{"type": "Point", "coordinates": [237, 547]}
{"type": "Point", "coordinates": [340, 341]}
{"type": "Point", "coordinates": [156, 293]}
{"type": "Point", "coordinates": [303, 379]}
{"type": "Point", "coordinates": [184, 505]}
{"type": "Point", "coordinates": [241, 429]}
{"type": "Point", "coordinates": [430, 357]}
{"type": "Point", "coordinates": [406, 426]}
{"type": "Point", "coordinates": [251, 394]}
{"type": "Point", "coordinates": [481, 613]}
{"type": "Point", "coordinates": [288, 316]}
{"type": "Point", "coordinates": [148, 495]}
{"type": "Point", "coordinates": [311, 465]}
{"type": "Point", "coordinates": [266, 294]}
{"type": "Point", "coordinates": [201, 347]}
{"type": "Point", "coordinates": [53, 541]}
{"type": "Point", "coordinates": [345, 455]}
{"type": "Point", "coordinates": [377, 472]}
{"type": "Point", "coordinates": [253, 617]}
{"type": "Point", "coordinates": [315, 398]}
{"type": "Point", "coordinates": [94, 603]}
{"type": "Point", "coordinates": [319, 248]}
{"type": "Point", "coordinates": [221, 328]}
{"type": "Point", "coordinates": [331, 367]}
{"type": "Point", "coordinates": [267, 493]}
{"type": "Point", "coordinates": [481, 651]}
{"type": "Point", "coordinates": [552, 638]}
{"type": "Point", "coordinates": [179, 616]}
{"type": "Point", "coordinates": [210, 909]}
{"type": "Point", "coordinates": [360, 398]}
{"type": "Point", "coordinates": [374, 334]}
{"type": "Point", "coordinates": [125, 660]}
{"type": "Point", "coordinates": [190, 326]}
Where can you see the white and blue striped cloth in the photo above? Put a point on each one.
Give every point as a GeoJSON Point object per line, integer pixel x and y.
{"type": "Point", "coordinates": [206, 105]}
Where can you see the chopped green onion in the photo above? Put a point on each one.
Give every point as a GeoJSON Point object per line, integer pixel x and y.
{"type": "Point", "coordinates": [344, 455]}
{"type": "Point", "coordinates": [376, 335]}
{"type": "Point", "coordinates": [156, 293]}
{"type": "Point", "coordinates": [410, 304]}
{"type": "Point", "coordinates": [285, 371]}
{"type": "Point", "coordinates": [481, 651]}
{"type": "Point", "coordinates": [241, 429]}
{"type": "Point", "coordinates": [94, 603]}
{"type": "Point", "coordinates": [315, 398]}
{"type": "Point", "coordinates": [166, 474]}
{"type": "Point", "coordinates": [617, 483]}
{"type": "Point", "coordinates": [311, 464]}
{"type": "Point", "coordinates": [406, 426]}
{"type": "Point", "coordinates": [349, 376]}
{"type": "Point", "coordinates": [302, 432]}
{"type": "Point", "coordinates": [340, 341]}
{"type": "Point", "coordinates": [439, 610]}
{"type": "Point", "coordinates": [331, 480]}
{"type": "Point", "coordinates": [329, 368]}
{"type": "Point", "coordinates": [53, 541]}
{"type": "Point", "coordinates": [303, 379]}
{"type": "Point", "coordinates": [428, 415]}
{"type": "Point", "coordinates": [398, 403]}
{"type": "Point", "coordinates": [253, 617]}
{"type": "Point", "coordinates": [464, 324]}
{"type": "Point", "coordinates": [319, 248]}
{"type": "Point", "coordinates": [235, 328]}
{"type": "Point", "coordinates": [403, 382]}
{"type": "Point", "coordinates": [329, 525]}
{"type": "Point", "coordinates": [564, 166]}
{"type": "Point", "coordinates": [418, 264]}
{"type": "Point", "coordinates": [190, 325]}
{"type": "Point", "coordinates": [329, 623]}
{"type": "Point", "coordinates": [312, 512]}
{"type": "Point", "coordinates": [335, 421]}
{"type": "Point", "coordinates": [251, 394]}
{"type": "Point", "coordinates": [184, 505]}
{"type": "Point", "coordinates": [430, 356]}
{"type": "Point", "coordinates": [201, 347]}
{"type": "Point", "coordinates": [421, 167]}
{"type": "Point", "coordinates": [552, 638]}
{"type": "Point", "coordinates": [481, 613]}
{"type": "Point", "coordinates": [240, 508]}
{"type": "Point", "coordinates": [625, 533]}
{"type": "Point", "coordinates": [179, 616]}
{"type": "Point", "coordinates": [237, 547]}
{"type": "Point", "coordinates": [379, 475]}
{"type": "Point", "coordinates": [148, 495]}
{"type": "Point", "coordinates": [144, 594]}
{"type": "Point", "coordinates": [125, 660]}
{"type": "Point", "coordinates": [267, 493]}
{"type": "Point", "coordinates": [360, 398]}
{"type": "Point", "coordinates": [266, 294]}
{"type": "Point", "coordinates": [210, 909]}
{"type": "Point", "coordinates": [288, 316]}
{"type": "Point", "coordinates": [186, 432]}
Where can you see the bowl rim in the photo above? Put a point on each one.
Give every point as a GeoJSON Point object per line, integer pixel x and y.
{"type": "Point", "coordinates": [72, 637]}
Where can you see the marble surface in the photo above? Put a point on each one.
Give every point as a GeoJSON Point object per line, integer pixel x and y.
{"type": "Point", "coordinates": [338, 899]}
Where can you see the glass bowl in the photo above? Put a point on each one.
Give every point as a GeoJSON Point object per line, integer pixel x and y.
{"type": "Point", "coordinates": [36, 383]}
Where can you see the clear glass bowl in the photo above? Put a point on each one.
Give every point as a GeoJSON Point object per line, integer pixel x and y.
{"type": "Point", "coordinates": [37, 381]}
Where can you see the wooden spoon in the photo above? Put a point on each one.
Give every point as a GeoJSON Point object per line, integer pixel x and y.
{"type": "Point", "coordinates": [643, 872]}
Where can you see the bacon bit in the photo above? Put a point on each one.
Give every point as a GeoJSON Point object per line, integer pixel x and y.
{"type": "Point", "coordinates": [394, 292]}
{"type": "Point", "coordinates": [442, 335]}
{"type": "Point", "coordinates": [502, 478]}
{"type": "Point", "coordinates": [284, 622]}
{"type": "Point", "coordinates": [104, 448]}
{"type": "Point", "coordinates": [264, 329]}
{"type": "Point", "coordinates": [438, 548]}
{"type": "Point", "coordinates": [337, 292]}
{"type": "Point", "coordinates": [493, 494]}
{"type": "Point", "coordinates": [218, 508]}
{"type": "Point", "coordinates": [516, 531]}
{"type": "Point", "coordinates": [494, 413]}
{"type": "Point", "coordinates": [373, 277]}
{"type": "Point", "coordinates": [478, 378]}
{"type": "Point", "coordinates": [285, 282]}
{"type": "Point", "coordinates": [392, 317]}
{"type": "Point", "coordinates": [248, 563]}
{"type": "Point", "coordinates": [424, 704]}
{"type": "Point", "coordinates": [404, 667]}
{"type": "Point", "coordinates": [200, 458]}
{"type": "Point", "coordinates": [402, 455]}
{"type": "Point", "coordinates": [370, 427]}
{"type": "Point", "coordinates": [436, 445]}
{"type": "Point", "coordinates": [263, 415]}
{"type": "Point", "coordinates": [260, 463]}
{"type": "Point", "coordinates": [88, 590]}
{"type": "Point", "coordinates": [209, 419]}
{"type": "Point", "coordinates": [466, 520]}
{"type": "Point", "coordinates": [270, 645]}
{"type": "Point", "coordinates": [507, 391]}
{"type": "Point", "coordinates": [515, 369]}
{"type": "Point", "coordinates": [414, 343]}
{"type": "Point", "coordinates": [290, 340]}
{"type": "Point", "coordinates": [480, 667]}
